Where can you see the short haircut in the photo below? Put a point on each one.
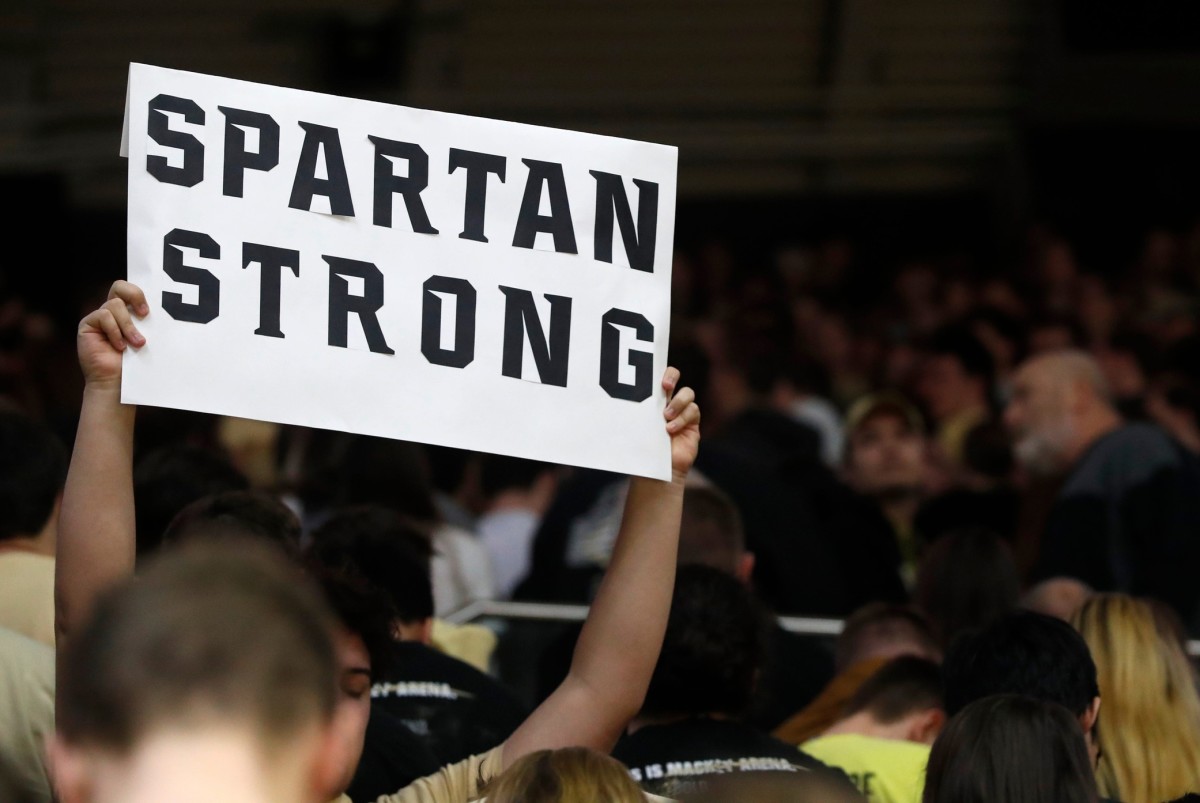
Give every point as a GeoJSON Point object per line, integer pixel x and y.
{"type": "Point", "coordinates": [169, 479]}
{"type": "Point", "coordinates": [387, 550]}
{"type": "Point", "coordinates": [959, 342]}
{"type": "Point", "coordinates": [966, 580]}
{"type": "Point", "coordinates": [1022, 653]}
{"type": "Point", "coordinates": [33, 466]}
{"type": "Point", "coordinates": [250, 515]}
{"type": "Point", "coordinates": [210, 634]}
{"type": "Point", "coordinates": [882, 627]}
{"type": "Point", "coordinates": [903, 686]}
{"type": "Point", "coordinates": [360, 608]}
{"type": "Point", "coordinates": [710, 530]}
{"type": "Point", "coordinates": [1010, 749]}
{"type": "Point", "coordinates": [712, 649]}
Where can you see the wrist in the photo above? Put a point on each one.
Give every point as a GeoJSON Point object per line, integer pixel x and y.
{"type": "Point", "coordinates": [103, 387]}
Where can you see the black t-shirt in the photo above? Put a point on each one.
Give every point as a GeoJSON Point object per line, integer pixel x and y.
{"type": "Point", "coordinates": [671, 760]}
{"type": "Point", "coordinates": [455, 709]}
{"type": "Point", "coordinates": [392, 758]}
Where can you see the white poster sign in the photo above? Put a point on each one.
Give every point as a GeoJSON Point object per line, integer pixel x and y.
{"type": "Point", "coordinates": [351, 265]}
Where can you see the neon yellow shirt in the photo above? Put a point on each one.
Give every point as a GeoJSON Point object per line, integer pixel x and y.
{"type": "Point", "coordinates": [884, 770]}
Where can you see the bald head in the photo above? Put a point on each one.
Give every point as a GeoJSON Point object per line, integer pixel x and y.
{"type": "Point", "coordinates": [1060, 404]}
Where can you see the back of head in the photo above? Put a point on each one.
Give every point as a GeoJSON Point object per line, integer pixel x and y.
{"type": "Point", "coordinates": [967, 580]}
{"type": "Point", "coordinates": [390, 473]}
{"type": "Point", "coordinates": [710, 530]}
{"type": "Point", "coordinates": [903, 686]}
{"type": "Point", "coordinates": [243, 515]}
{"type": "Point", "coordinates": [33, 466]}
{"type": "Point", "coordinates": [211, 635]}
{"type": "Point", "coordinates": [712, 649]}
{"type": "Point", "coordinates": [1149, 734]}
{"type": "Point", "coordinates": [385, 549]}
{"type": "Point", "coordinates": [567, 775]}
{"type": "Point", "coordinates": [1010, 749]}
{"type": "Point", "coordinates": [959, 342]}
{"type": "Point", "coordinates": [1022, 653]}
{"type": "Point", "coordinates": [169, 479]}
{"type": "Point", "coordinates": [882, 630]}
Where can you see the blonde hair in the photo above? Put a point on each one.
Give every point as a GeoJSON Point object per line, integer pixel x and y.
{"type": "Point", "coordinates": [569, 775]}
{"type": "Point", "coordinates": [1149, 725]}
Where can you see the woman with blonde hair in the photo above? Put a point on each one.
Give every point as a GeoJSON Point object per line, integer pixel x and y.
{"type": "Point", "coordinates": [1148, 731]}
{"type": "Point", "coordinates": [568, 775]}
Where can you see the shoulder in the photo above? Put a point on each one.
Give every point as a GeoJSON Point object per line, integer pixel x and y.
{"type": "Point", "coordinates": [455, 783]}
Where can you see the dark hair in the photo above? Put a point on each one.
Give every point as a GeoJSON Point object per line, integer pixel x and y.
{"type": "Point", "coordinates": [902, 686]}
{"type": "Point", "coordinates": [1021, 653]}
{"type": "Point", "coordinates": [501, 473]}
{"type": "Point", "coordinates": [169, 479]}
{"type": "Point", "coordinates": [987, 450]}
{"type": "Point", "coordinates": [33, 466]}
{"type": "Point", "coordinates": [384, 548]}
{"type": "Point", "coordinates": [250, 515]}
{"type": "Point", "coordinates": [390, 473]}
{"type": "Point", "coordinates": [710, 529]}
{"type": "Point", "coordinates": [959, 342]}
{"type": "Point", "coordinates": [966, 580]}
{"type": "Point", "coordinates": [361, 608]}
{"type": "Point", "coordinates": [712, 649]}
{"type": "Point", "coordinates": [210, 633]}
{"type": "Point", "coordinates": [882, 624]}
{"type": "Point", "coordinates": [1010, 749]}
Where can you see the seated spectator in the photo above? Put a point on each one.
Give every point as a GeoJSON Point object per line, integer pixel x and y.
{"type": "Point", "coordinates": [26, 717]}
{"type": "Point", "coordinates": [1126, 517]}
{"type": "Point", "coordinates": [871, 637]}
{"type": "Point", "coordinates": [1010, 749]}
{"type": "Point", "coordinates": [169, 479]}
{"type": "Point", "coordinates": [1059, 597]}
{"type": "Point", "coordinates": [33, 465]}
{"type": "Point", "coordinates": [1029, 654]}
{"type": "Point", "coordinates": [882, 742]}
{"type": "Point", "coordinates": [955, 385]}
{"type": "Point", "coordinates": [214, 672]}
{"type": "Point", "coordinates": [252, 515]}
{"type": "Point", "coordinates": [1149, 736]}
{"type": "Point", "coordinates": [966, 580]}
{"type": "Point", "coordinates": [516, 494]}
{"type": "Point", "coordinates": [456, 710]}
{"type": "Point", "coordinates": [689, 727]}
{"type": "Point", "coordinates": [569, 775]}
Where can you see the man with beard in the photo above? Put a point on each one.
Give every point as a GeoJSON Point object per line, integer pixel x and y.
{"type": "Point", "coordinates": [1127, 517]}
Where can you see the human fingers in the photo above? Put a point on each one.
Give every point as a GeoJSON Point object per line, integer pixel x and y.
{"type": "Point", "coordinates": [682, 398]}
{"type": "Point", "coordinates": [131, 294]}
{"type": "Point", "coordinates": [670, 380]}
{"type": "Point", "coordinates": [690, 416]}
{"type": "Point", "coordinates": [120, 313]}
{"type": "Point", "coordinates": [102, 321]}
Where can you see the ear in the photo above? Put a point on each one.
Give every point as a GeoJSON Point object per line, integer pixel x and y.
{"type": "Point", "coordinates": [421, 631]}
{"type": "Point", "coordinates": [745, 568]}
{"type": "Point", "coordinates": [925, 726]}
{"type": "Point", "coordinates": [68, 770]}
{"type": "Point", "coordinates": [1087, 720]}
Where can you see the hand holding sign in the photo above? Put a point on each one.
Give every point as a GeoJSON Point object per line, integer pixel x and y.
{"type": "Point", "coordinates": [105, 333]}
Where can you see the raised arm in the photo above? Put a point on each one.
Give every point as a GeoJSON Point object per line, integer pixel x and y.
{"type": "Point", "coordinates": [620, 642]}
{"type": "Point", "coordinates": [96, 526]}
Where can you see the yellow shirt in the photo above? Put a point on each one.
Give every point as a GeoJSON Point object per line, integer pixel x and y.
{"type": "Point", "coordinates": [884, 770]}
{"type": "Point", "coordinates": [456, 783]}
{"type": "Point", "coordinates": [27, 595]}
{"type": "Point", "coordinates": [26, 717]}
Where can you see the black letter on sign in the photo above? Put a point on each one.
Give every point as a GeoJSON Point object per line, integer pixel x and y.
{"type": "Point", "coordinates": [477, 165]}
{"type": "Point", "coordinates": [272, 261]}
{"type": "Point", "coordinates": [208, 301]}
{"type": "Point", "coordinates": [341, 303]}
{"type": "Point", "coordinates": [610, 350]}
{"type": "Point", "coordinates": [336, 187]}
{"type": "Point", "coordinates": [464, 322]}
{"type": "Point", "coordinates": [158, 127]}
{"type": "Point", "coordinates": [410, 186]}
{"type": "Point", "coordinates": [558, 222]}
{"type": "Point", "coordinates": [520, 317]}
{"type": "Point", "coordinates": [610, 197]}
{"type": "Point", "coordinates": [237, 159]}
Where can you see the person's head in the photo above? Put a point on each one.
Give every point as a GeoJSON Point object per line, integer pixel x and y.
{"type": "Point", "coordinates": [390, 473]}
{"type": "Point", "coordinates": [566, 775]}
{"type": "Point", "coordinates": [1059, 597]}
{"type": "Point", "coordinates": [882, 630]}
{"type": "Point", "coordinates": [225, 642]}
{"type": "Point", "coordinates": [956, 373]}
{"type": "Point", "coordinates": [711, 534]}
{"type": "Point", "coordinates": [391, 553]}
{"type": "Point", "coordinates": [249, 515]}
{"type": "Point", "coordinates": [712, 649]}
{"type": "Point", "coordinates": [1009, 748]}
{"type": "Point", "coordinates": [1024, 653]}
{"type": "Point", "coordinates": [903, 700]}
{"type": "Point", "coordinates": [1149, 736]}
{"type": "Point", "coordinates": [169, 479]}
{"type": "Point", "coordinates": [966, 580]}
{"type": "Point", "coordinates": [33, 466]}
{"type": "Point", "coordinates": [1060, 403]}
{"type": "Point", "coordinates": [885, 446]}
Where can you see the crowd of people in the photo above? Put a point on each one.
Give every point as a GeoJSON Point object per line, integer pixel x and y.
{"type": "Point", "coordinates": [994, 480]}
